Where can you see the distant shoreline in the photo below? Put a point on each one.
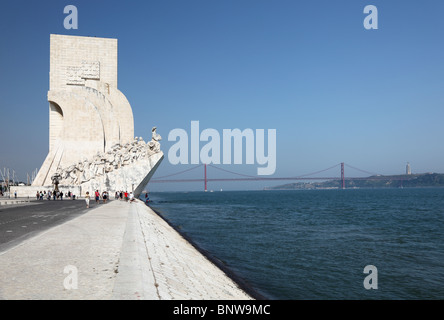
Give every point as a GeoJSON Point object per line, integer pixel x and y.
{"type": "Point", "coordinates": [350, 188]}
{"type": "Point", "coordinates": [423, 180]}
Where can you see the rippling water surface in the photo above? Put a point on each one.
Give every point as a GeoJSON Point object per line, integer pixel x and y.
{"type": "Point", "coordinates": [314, 244]}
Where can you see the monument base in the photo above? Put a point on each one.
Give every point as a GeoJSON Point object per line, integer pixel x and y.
{"type": "Point", "coordinates": [31, 191]}
{"type": "Point", "coordinates": [132, 178]}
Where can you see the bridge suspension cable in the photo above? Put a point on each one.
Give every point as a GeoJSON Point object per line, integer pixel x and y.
{"type": "Point", "coordinates": [244, 177]}
{"type": "Point", "coordinates": [177, 173]}
{"type": "Point", "coordinates": [232, 172]}
{"type": "Point", "coordinates": [364, 171]}
{"type": "Point", "coordinates": [316, 172]}
{"type": "Point", "coordinates": [255, 177]}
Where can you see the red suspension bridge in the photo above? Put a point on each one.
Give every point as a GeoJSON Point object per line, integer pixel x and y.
{"type": "Point", "coordinates": [244, 177]}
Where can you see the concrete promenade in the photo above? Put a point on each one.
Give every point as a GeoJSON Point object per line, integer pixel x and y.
{"type": "Point", "coordinates": [115, 251]}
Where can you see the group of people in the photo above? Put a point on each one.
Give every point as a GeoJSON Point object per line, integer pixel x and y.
{"type": "Point", "coordinates": [119, 195]}
{"type": "Point", "coordinates": [7, 193]}
{"type": "Point", "coordinates": [55, 195]}
{"type": "Point", "coordinates": [124, 195]}
{"type": "Point", "coordinates": [97, 196]}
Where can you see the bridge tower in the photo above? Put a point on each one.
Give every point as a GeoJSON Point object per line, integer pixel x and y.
{"type": "Point", "coordinates": [342, 175]}
{"type": "Point", "coordinates": [205, 177]}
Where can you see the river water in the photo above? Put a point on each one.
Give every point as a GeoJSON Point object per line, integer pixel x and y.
{"type": "Point", "coordinates": [315, 244]}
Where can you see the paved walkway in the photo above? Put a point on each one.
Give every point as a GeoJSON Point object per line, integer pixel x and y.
{"type": "Point", "coordinates": [116, 251]}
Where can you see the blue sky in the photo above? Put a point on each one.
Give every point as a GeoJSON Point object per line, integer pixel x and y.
{"type": "Point", "coordinates": [334, 91]}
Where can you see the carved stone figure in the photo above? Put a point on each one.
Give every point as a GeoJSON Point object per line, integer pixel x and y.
{"type": "Point", "coordinates": [55, 181]}
{"type": "Point", "coordinates": [155, 135]}
{"type": "Point", "coordinates": [103, 164]}
{"type": "Point", "coordinates": [154, 144]}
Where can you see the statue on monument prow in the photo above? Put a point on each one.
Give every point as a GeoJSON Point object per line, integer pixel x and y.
{"type": "Point", "coordinates": [155, 136]}
{"type": "Point", "coordinates": [154, 144]}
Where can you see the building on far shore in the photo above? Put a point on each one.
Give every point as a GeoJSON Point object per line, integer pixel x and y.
{"type": "Point", "coordinates": [408, 170]}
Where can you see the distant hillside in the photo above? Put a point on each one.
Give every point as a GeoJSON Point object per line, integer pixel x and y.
{"type": "Point", "coordinates": [395, 181]}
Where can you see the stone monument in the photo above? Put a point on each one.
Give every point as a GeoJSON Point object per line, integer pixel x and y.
{"type": "Point", "coordinates": [91, 126]}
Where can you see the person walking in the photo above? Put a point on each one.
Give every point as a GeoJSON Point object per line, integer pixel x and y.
{"type": "Point", "coordinates": [97, 194]}
{"type": "Point", "coordinates": [87, 199]}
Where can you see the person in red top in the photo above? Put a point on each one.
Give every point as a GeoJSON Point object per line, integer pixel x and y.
{"type": "Point", "coordinates": [126, 195]}
{"type": "Point", "coordinates": [97, 194]}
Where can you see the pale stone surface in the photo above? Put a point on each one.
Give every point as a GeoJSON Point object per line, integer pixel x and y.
{"type": "Point", "coordinates": [91, 129]}
{"type": "Point", "coordinates": [179, 271]}
{"type": "Point", "coordinates": [121, 250]}
{"type": "Point", "coordinates": [88, 113]}
{"type": "Point", "coordinates": [75, 51]}
{"type": "Point", "coordinates": [92, 242]}
{"type": "Point", "coordinates": [131, 178]}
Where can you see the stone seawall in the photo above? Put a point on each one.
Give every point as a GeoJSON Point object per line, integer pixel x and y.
{"type": "Point", "coordinates": [176, 269]}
